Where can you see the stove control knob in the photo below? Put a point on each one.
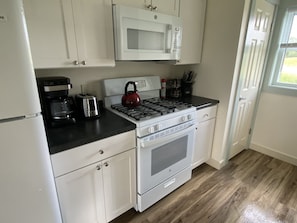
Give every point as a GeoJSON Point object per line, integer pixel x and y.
{"type": "Point", "coordinates": [157, 127]}
{"type": "Point", "coordinates": [151, 129]}
{"type": "Point", "coordinates": [190, 117]}
{"type": "Point", "coordinates": [184, 118]}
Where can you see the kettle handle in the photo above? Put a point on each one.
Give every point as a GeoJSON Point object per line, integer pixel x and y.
{"type": "Point", "coordinates": [126, 87]}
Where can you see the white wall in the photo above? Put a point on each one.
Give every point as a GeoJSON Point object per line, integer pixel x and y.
{"type": "Point", "coordinates": [217, 70]}
{"type": "Point", "coordinates": [275, 131]}
{"type": "Point", "coordinates": [91, 78]}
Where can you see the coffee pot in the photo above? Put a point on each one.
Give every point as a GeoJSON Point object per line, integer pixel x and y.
{"type": "Point", "coordinates": [57, 107]}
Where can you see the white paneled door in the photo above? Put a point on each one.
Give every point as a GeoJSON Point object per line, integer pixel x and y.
{"type": "Point", "coordinates": [250, 73]}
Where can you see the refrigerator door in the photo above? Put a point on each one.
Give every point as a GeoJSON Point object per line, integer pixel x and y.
{"type": "Point", "coordinates": [18, 88]}
{"type": "Point", "coordinates": [27, 188]}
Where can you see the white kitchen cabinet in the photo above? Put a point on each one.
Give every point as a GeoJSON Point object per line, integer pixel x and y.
{"type": "Point", "coordinates": [70, 33]}
{"type": "Point", "coordinates": [205, 119]}
{"type": "Point", "coordinates": [192, 13]}
{"type": "Point", "coordinates": [170, 7]}
{"type": "Point", "coordinates": [119, 178]}
{"type": "Point", "coordinates": [97, 191]}
{"type": "Point", "coordinates": [81, 195]}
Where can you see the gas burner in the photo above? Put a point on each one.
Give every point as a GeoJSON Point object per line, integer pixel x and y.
{"type": "Point", "coordinates": [151, 108]}
{"type": "Point", "coordinates": [138, 113]}
{"type": "Point", "coordinates": [169, 104]}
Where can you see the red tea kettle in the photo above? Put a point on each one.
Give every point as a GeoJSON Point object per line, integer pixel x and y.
{"type": "Point", "coordinates": [130, 99]}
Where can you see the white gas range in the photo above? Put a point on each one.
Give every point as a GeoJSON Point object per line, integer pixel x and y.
{"type": "Point", "coordinates": [165, 137]}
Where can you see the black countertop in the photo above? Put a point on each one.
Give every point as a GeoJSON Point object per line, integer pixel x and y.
{"type": "Point", "coordinates": [199, 102]}
{"type": "Point", "coordinates": [109, 124]}
{"type": "Point", "coordinates": [86, 131]}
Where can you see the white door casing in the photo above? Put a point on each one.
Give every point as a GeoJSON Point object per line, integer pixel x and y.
{"type": "Point", "coordinates": [251, 71]}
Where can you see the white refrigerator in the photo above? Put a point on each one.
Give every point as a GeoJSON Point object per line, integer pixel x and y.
{"type": "Point", "coordinates": [27, 187]}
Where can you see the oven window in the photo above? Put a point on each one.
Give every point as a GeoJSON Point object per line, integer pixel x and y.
{"type": "Point", "coordinates": [169, 154]}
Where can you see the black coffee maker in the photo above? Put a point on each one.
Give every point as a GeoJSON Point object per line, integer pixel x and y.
{"type": "Point", "coordinates": [57, 107]}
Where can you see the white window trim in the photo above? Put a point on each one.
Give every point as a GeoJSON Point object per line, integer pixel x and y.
{"type": "Point", "coordinates": [270, 67]}
{"type": "Point", "coordinates": [281, 49]}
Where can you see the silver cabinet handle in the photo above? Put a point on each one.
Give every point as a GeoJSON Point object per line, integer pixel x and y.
{"type": "Point", "coordinates": [106, 164]}
{"type": "Point", "coordinates": [98, 167]}
{"type": "Point", "coordinates": [101, 152]}
{"type": "Point", "coordinates": [75, 62]}
{"type": "Point", "coordinates": [241, 98]}
{"type": "Point", "coordinates": [84, 62]}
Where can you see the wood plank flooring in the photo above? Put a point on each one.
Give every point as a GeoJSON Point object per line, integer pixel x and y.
{"type": "Point", "coordinates": [252, 188]}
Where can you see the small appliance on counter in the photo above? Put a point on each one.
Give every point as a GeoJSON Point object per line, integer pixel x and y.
{"type": "Point", "coordinates": [87, 106]}
{"type": "Point", "coordinates": [58, 108]}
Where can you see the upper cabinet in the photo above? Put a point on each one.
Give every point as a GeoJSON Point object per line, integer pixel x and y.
{"type": "Point", "coordinates": [170, 7]}
{"type": "Point", "coordinates": [65, 33]}
{"type": "Point", "coordinates": [192, 13]}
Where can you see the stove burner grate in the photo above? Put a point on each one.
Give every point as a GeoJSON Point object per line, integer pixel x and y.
{"type": "Point", "coordinates": [151, 108]}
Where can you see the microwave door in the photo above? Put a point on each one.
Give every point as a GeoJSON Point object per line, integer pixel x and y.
{"type": "Point", "coordinates": [151, 36]}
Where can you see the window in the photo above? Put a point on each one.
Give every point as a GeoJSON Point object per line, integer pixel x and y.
{"type": "Point", "coordinates": [285, 73]}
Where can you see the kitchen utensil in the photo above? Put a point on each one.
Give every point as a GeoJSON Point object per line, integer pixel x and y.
{"type": "Point", "coordinates": [130, 99]}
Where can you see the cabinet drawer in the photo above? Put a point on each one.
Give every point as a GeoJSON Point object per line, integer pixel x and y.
{"type": "Point", "coordinates": [206, 113]}
{"type": "Point", "coordinates": [81, 156]}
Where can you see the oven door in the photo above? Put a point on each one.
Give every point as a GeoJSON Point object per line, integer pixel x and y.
{"type": "Point", "coordinates": [161, 158]}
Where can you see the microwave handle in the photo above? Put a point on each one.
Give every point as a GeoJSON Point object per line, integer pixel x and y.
{"type": "Point", "coordinates": [169, 38]}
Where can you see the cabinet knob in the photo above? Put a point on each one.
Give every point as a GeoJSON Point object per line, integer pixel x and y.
{"type": "Point", "coordinates": [84, 62]}
{"type": "Point", "coordinates": [98, 167]}
{"type": "Point", "coordinates": [205, 115]}
{"type": "Point", "coordinates": [149, 7]}
{"type": "Point", "coordinates": [75, 62]}
{"type": "Point", "coordinates": [101, 152]}
{"type": "Point", "coordinates": [154, 8]}
{"type": "Point", "coordinates": [106, 164]}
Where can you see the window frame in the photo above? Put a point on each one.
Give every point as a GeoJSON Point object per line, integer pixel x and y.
{"type": "Point", "coordinates": [282, 29]}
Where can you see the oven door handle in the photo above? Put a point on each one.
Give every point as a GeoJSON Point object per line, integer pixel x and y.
{"type": "Point", "coordinates": [166, 139]}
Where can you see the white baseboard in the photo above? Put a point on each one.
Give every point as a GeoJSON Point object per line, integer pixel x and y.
{"type": "Point", "coordinates": [273, 153]}
{"type": "Point", "coordinates": [216, 164]}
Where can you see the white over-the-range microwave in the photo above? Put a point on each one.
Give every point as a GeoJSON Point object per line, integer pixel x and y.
{"type": "Point", "coordinates": [145, 35]}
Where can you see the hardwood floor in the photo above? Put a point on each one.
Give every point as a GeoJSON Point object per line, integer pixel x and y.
{"type": "Point", "coordinates": [252, 188]}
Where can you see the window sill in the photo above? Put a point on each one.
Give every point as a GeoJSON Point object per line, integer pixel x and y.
{"type": "Point", "coordinates": [283, 90]}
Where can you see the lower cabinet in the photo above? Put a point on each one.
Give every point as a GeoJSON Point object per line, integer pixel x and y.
{"type": "Point", "coordinates": [204, 135]}
{"type": "Point", "coordinates": [99, 192]}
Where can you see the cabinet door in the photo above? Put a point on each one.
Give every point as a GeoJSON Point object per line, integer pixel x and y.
{"type": "Point", "coordinates": [51, 32]}
{"type": "Point", "coordinates": [192, 13]}
{"type": "Point", "coordinates": [119, 174]}
{"type": "Point", "coordinates": [94, 32]}
{"type": "Point", "coordinates": [170, 7]}
{"type": "Point", "coordinates": [81, 195]}
{"type": "Point", "coordinates": [203, 142]}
